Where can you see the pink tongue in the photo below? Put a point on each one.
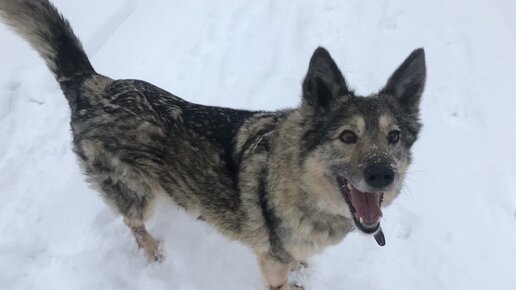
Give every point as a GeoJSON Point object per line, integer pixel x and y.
{"type": "Point", "coordinates": [367, 205]}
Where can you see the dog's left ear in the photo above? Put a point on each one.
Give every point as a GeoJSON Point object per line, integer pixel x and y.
{"type": "Point", "coordinates": [323, 83]}
{"type": "Point", "coordinates": [408, 81]}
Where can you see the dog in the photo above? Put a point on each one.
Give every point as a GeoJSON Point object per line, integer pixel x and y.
{"type": "Point", "coordinates": [287, 183]}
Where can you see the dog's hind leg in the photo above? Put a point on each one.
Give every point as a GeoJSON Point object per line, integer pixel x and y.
{"type": "Point", "coordinates": [136, 203]}
{"type": "Point", "coordinates": [140, 211]}
{"type": "Point", "coordinates": [145, 240]}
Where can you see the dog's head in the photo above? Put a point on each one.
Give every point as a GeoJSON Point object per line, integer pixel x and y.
{"type": "Point", "coordinates": [356, 149]}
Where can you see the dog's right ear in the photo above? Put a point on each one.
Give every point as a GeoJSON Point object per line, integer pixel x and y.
{"type": "Point", "coordinates": [408, 81]}
{"type": "Point", "coordinates": [323, 83]}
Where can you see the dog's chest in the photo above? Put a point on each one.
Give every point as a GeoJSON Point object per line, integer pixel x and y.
{"type": "Point", "coordinates": [313, 236]}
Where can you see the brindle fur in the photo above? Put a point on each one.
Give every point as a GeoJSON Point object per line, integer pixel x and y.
{"type": "Point", "coordinates": [266, 179]}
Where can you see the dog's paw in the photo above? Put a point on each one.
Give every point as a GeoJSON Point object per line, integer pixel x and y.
{"type": "Point", "coordinates": [288, 287]}
{"type": "Point", "coordinates": [154, 251]}
{"type": "Point", "coordinates": [296, 287]}
{"type": "Point", "coordinates": [298, 265]}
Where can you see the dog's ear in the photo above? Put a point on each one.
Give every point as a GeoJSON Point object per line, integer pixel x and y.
{"type": "Point", "coordinates": [323, 83]}
{"type": "Point", "coordinates": [408, 81]}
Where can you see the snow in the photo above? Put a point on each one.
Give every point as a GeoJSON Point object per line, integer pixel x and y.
{"type": "Point", "coordinates": [453, 227]}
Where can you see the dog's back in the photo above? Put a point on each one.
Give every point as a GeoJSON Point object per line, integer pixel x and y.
{"type": "Point", "coordinates": [135, 140]}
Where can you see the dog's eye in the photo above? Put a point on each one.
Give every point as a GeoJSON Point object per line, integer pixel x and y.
{"type": "Point", "coordinates": [348, 137]}
{"type": "Point", "coordinates": [393, 137]}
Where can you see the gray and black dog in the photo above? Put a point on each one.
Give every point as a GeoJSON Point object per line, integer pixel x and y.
{"type": "Point", "coordinates": [286, 183]}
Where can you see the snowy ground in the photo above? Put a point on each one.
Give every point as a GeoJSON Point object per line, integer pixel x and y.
{"type": "Point", "coordinates": [454, 227]}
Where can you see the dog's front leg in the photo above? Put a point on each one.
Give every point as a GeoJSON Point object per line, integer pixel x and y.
{"type": "Point", "coordinates": [276, 273]}
{"type": "Point", "coordinates": [298, 265]}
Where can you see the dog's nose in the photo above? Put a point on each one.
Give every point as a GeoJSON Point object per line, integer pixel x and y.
{"type": "Point", "coordinates": [379, 175]}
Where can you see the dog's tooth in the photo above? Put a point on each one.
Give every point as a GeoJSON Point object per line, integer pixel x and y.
{"type": "Point", "coordinates": [361, 219]}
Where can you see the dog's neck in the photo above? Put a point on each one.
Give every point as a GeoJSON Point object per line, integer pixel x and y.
{"type": "Point", "coordinates": [292, 192]}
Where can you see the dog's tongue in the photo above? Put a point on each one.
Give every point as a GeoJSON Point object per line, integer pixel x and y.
{"type": "Point", "coordinates": [367, 205]}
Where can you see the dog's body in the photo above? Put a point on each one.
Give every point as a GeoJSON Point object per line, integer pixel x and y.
{"type": "Point", "coordinates": [285, 183]}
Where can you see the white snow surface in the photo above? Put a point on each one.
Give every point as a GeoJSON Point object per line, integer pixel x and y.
{"type": "Point", "coordinates": [453, 226]}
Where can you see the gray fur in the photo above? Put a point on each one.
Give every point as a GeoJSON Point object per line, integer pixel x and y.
{"type": "Point", "coordinates": [49, 34]}
{"type": "Point", "coordinates": [267, 179]}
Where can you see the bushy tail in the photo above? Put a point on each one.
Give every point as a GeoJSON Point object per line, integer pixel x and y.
{"type": "Point", "coordinates": [39, 22]}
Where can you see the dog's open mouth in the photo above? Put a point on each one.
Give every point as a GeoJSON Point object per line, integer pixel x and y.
{"type": "Point", "coordinates": [364, 206]}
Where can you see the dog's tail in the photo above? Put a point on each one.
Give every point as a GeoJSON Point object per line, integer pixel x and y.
{"type": "Point", "coordinates": [50, 34]}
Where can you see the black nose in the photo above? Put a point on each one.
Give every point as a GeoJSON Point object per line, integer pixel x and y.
{"type": "Point", "coordinates": [379, 175]}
